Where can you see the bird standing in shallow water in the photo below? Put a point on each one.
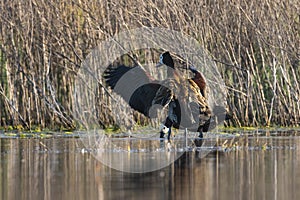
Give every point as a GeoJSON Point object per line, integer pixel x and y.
{"type": "Point", "coordinates": [185, 99]}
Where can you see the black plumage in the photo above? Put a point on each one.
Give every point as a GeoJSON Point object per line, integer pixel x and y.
{"type": "Point", "coordinates": [134, 84]}
{"type": "Point", "coordinates": [188, 105]}
{"type": "Point", "coordinates": [185, 98]}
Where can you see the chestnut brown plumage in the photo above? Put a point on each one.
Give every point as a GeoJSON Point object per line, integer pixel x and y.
{"type": "Point", "coordinates": [185, 99]}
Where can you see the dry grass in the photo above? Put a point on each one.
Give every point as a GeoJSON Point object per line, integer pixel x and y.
{"type": "Point", "coordinates": [42, 43]}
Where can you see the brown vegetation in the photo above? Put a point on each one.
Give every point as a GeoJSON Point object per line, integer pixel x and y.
{"type": "Point", "coordinates": [256, 45]}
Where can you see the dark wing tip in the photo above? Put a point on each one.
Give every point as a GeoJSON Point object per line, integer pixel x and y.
{"type": "Point", "coordinates": [113, 74]}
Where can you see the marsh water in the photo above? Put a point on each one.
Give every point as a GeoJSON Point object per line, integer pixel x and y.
{"type": "Point", "coordinates": [254, 166]}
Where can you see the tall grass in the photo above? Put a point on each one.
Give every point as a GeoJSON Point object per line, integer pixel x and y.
{"type": "Point", "coordinates": [255, 44]}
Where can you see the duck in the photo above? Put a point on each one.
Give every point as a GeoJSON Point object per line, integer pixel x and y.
{"type": "Point", "coordinates": [185, 99]}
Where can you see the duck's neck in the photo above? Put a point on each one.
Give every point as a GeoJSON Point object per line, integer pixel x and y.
{"type": "Point", "coordinates": [171, 71]}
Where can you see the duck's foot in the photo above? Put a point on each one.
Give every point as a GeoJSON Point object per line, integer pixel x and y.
{"type": "Point", "coordinates": [200, 135]}
{"type": "Point", "coordinates": [169, 141]}
{"type": "Point", "coordinates": [169, 146]}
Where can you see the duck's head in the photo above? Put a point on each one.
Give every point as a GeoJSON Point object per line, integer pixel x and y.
{"type": "Point", "coordinates": [166, 59]}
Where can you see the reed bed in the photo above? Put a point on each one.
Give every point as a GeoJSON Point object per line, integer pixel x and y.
{"type": "Point", "coordinates": [255, 44]}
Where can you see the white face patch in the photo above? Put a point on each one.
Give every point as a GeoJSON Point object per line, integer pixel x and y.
{"type": "Point", "coordinates": [160, 62]}
{"type": "Point", "coordinates": [161, 59]}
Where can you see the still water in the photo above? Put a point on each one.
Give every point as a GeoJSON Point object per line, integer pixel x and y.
{"type": "Point", "coordinates": [258, 167]}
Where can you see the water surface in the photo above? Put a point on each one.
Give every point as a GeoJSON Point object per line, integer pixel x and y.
{"type": "Point", "coordinates": [265, 166]}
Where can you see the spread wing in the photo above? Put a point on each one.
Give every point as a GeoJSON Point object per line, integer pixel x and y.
{"type": "Point", "coordinates": [141, 92]}
{"type": "Point", "coordinates": [134, 84]}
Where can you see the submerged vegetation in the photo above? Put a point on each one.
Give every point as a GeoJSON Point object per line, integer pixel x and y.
{"type": "Point", "coordinates": [256, 46]}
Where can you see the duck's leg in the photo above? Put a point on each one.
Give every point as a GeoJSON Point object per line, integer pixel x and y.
{"type": "Point", "coordinates": [169, 134]}
{"type": "Point", "coordinates": [162, 132]}
{"type": "Point", "coordinates": [200, 133]}
{"type": "Point", "coordinates": [201, 129]}
{"type": "Point", "coordinates": [199, 141]}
